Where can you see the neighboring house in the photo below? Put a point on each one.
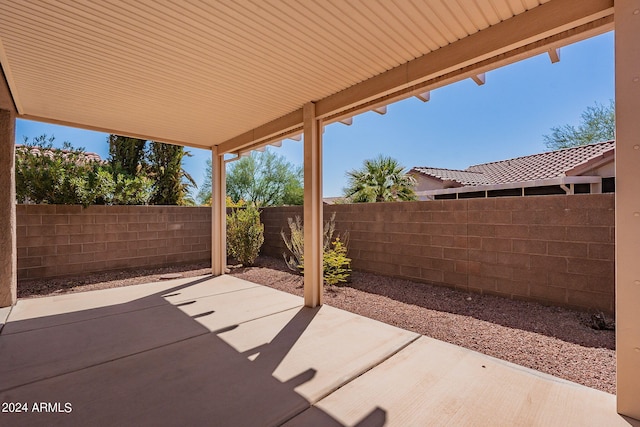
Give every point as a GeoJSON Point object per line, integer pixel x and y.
{"type": "Point", "coordinates": [585, 169]}
{"type": "Point", "coordinates": [83, 156]}
{"type": "Point", "coordinates": [334, 200]}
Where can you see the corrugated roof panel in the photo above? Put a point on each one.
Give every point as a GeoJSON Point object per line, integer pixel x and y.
{"type": "Point", "coordinates": [202, 72]}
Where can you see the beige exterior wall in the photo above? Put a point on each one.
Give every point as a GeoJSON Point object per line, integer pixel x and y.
{"type": "Point", "coordinates": [8, 277]}
{"type": "Point", "coordinates": [605, 171]}
{"type": "Point", "coordinates": [551, 249]}
{"type": "Point", "coordinates": [627, 62]}
{"type": "Point", "coordinates": [66, 240]}
{"type": "Point", "coordinates": [424, 183]}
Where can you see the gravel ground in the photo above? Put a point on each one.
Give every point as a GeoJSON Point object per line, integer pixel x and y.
{"type": "Point", "coordinates": [105, 280]}
{"type": "Point", "coordinates": [554, 340]}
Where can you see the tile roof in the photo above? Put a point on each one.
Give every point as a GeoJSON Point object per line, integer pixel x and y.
{"type": "Point", "coordinates": [84, 156]}
{"type": "Point", "coordinates": [539, 166]}
{"type": "Point", "coordinates": [463, 177]}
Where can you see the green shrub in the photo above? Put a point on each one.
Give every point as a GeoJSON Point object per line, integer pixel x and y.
{"type": "Point", "coordinates": [245, 234]}
{"type": "Point", "coordinates": [336, 265]}
{"type": "Point", "coordinates": [45, 174]}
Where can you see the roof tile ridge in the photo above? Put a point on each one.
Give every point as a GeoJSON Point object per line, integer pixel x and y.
{"type": "Point", "coordinates": [610, 141]}
{"type": "Point", "coordinates": [447, 169]}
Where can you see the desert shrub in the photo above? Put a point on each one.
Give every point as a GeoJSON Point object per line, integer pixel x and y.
{"type": "Point", "coordinates": [336, 265]}
{"type": "Point", "coordinates": [294, 243]}
{"type": "Point", "coordinates": [245, 234]}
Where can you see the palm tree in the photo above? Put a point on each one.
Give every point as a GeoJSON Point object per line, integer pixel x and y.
{"type": "Point", "coordinates": [380, 180]}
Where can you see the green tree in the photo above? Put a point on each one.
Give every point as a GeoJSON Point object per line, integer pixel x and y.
{"type": "Point", "coordinates": [380, 180]}
{"type": "Point", "coordinates": [136, 162]}
{"type": "Point", "coordinates": [127, 154]}
{"type": "Point", "coordinates": [263, 179]}
{"type": "Point", "coordinates": [129, 171]}
{"type": "Point", "coordinates": [597, 124]}
{"type": "Point", "coordinates": [45, 174]}
{"type": "Point", "coordinates": [171, 182]}
{"type": "Point", "coordinates": [204, 194]}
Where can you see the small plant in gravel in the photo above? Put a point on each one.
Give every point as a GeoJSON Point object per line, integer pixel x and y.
{"type": "Point", "coordinates": [599, 322]}
{"type": "Point", "coordinates": [245, 234]}
{"type": "Point", "coordinates": [336, 264]}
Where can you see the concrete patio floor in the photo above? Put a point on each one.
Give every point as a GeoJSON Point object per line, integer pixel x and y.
{"type": "Point", "coordinates": [223, 351]}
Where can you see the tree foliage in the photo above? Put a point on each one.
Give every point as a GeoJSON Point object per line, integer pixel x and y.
{"type": "Point", "coordinates": [49, 175]}
{"type": "Point", "coordinates": [127, 154]}
{"type": "Point", "coordinates": [134, 175]}
{"type": "Point", "coordinates": [158, 162]}
{"type": "Point", "coordinates": [171, 181]}
{"type": "Point", "coordinates": [597, 124]}
{"type": "Point", "coordinates": [204, 194]}
{"type": "Point", "coordinates": [263, 179]}
{"type": "Point", "coordinates": [380, 180]}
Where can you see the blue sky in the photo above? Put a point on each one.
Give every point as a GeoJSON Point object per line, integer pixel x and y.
{"type": "Point", "coordinates": [462, 124]}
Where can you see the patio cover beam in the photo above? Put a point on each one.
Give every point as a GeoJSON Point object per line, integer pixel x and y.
{"type": "Point", "coordinates": [550, 25]}
{"type": "Point", "coordinates": [627, 86]}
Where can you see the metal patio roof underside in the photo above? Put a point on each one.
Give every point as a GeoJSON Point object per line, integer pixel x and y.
{"type": "Point", "coordinates": [201, 73]}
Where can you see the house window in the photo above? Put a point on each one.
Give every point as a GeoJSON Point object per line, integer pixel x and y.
{"type": "Point", "coordinates": [445, 196]}
{"type": "Point", "coordinates": [582, 188]}
{"type": "Point", "coordinates": [471, 195]}
{"type": "Point", "coordinates": [541, 191]}
{"type": "Point", "coordinates": [505, 193]}
{"type": "Point", "coordinates": [609, 185]}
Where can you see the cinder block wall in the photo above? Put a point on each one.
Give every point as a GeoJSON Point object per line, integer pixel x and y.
{"type": "Point", "coordinates": [551, 249]}
{"type": "Point", "coordinates": [57, 240]}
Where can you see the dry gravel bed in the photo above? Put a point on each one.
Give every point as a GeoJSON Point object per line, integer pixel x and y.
{"type": "Point", "coordinates": [554, 340]}
{"type": "Point", "coordinates": [105, 280]}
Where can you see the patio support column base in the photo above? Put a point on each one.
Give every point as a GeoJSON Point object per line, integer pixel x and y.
{"type": "Point", "coordinates": [312, 207]}
{"type": "Point", "coordinates": [627, 81]}
{"type": "Point", "coordinates": [218, 214]}
{"type": "Point", "coordinates": [8, 251]}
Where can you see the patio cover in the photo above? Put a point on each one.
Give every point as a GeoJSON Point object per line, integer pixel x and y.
{"type": "Point", "coordinates": [233, 76]}
{"type": "Point", "coordinates": [230, 73]}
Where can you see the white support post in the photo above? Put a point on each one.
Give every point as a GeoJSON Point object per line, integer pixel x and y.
{"type": "Point", "coordinates": [8, 250]}
{"type": "Point", "coordinates": [312, 207]}
{"type": "Point", "coordinates": [627, 81]}
{"type": "Point", "coordinates": [218, 214]}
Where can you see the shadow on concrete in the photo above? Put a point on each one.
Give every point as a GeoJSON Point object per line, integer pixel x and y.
{"type": "Point", "coordinates": [146, 362]}
{"type": "Point", "coordinates": [562, 323]}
